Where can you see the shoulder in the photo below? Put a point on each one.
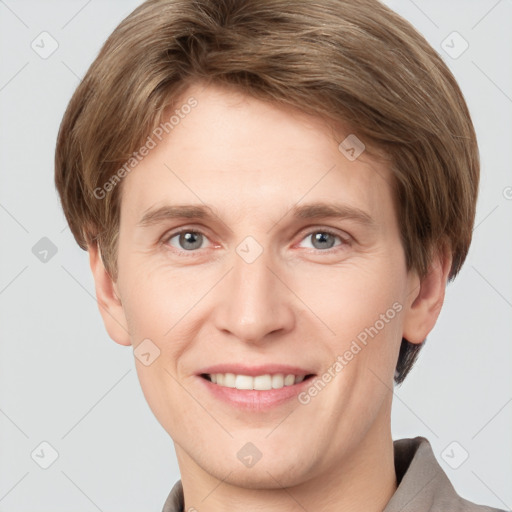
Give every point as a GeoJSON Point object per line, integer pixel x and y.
{"type": "Point", "coordinates": [422, 483]}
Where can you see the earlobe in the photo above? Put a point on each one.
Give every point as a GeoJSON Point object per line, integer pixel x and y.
{"type": "Point", "coordinates": [426, 299]}
{"type": "Point", "coordinates": [109, 302]}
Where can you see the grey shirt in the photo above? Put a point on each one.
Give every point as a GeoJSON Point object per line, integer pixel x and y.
{"type": "Point", "coordinates": [422, 484]}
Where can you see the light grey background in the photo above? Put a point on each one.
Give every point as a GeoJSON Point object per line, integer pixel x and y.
{"type": "Point", "coordinates": [63, 381]}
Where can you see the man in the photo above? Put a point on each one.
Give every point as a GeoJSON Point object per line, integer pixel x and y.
{"type": "Point", "coordinates": [274, 195]}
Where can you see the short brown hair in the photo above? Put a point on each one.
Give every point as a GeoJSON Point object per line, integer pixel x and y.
{"type": "Point", "coordinates": [354, 62]}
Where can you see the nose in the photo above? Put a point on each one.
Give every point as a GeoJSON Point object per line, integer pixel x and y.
{"type": "Point", "coordinates": [254, 304]}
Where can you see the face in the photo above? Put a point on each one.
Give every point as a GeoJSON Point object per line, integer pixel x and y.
{"type": "Point", "coordinates": [250, 249]}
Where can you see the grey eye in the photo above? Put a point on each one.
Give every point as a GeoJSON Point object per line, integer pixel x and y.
{"type": "Point", "coordinates": [322, 239]}
{"type": "Point", "coordinates": [188, 240]}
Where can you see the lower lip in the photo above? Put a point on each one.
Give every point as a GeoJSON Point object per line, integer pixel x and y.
{"type": "Point", "coordinates": [252, 399]}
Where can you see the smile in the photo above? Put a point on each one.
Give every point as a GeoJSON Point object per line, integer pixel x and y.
{"type": "Point", "coordinates": [254, 394]}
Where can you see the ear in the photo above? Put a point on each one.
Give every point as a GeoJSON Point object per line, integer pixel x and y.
{"type": "Point", "coordinates": [109, 303]}
{"type": "Point", "coordinates": [427, 297]}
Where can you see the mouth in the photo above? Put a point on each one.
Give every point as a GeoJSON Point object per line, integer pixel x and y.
{"type": "Point", "coordinates": [254, 388]}
{"type": "Point", "coordinates": [264, 382]}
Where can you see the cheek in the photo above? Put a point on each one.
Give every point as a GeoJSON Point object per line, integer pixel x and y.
{"type": "Point", "coordinates": [353, 295]}
{"type": "Point", "coordinates": [362, 306]}
{"type": "Point", "coordinates": [159, 301]}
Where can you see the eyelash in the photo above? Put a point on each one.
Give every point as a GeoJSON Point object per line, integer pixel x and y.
{"type": "Point", "coordinates": [344, 240]}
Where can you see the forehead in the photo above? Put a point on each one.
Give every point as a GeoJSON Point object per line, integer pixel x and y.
{"type": "Point", "coordinates": [232, 150]}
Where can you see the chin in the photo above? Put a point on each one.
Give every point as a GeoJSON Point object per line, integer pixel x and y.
{"type": "Point", "coordinates": [272, 476]}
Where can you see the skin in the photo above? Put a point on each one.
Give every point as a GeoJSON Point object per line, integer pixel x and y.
{"type": "Point", "coordinates": [298, 303]}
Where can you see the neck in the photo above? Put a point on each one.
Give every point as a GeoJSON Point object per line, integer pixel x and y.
{"type": "Point", "coordinates": [365, 481]}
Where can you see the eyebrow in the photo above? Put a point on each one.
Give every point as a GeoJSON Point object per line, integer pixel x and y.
{"type": "Point", "coordinates": [332, 210]}
{"type": "Point", "coordinates": [316, 210]}
{"type": "Point", "coordinates": [157, 215]}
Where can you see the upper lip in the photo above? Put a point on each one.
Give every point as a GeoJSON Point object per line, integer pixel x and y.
{"type": "Point", "coordinates": [263, 369]}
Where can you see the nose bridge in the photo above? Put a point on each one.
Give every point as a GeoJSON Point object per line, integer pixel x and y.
{"type": "Point", "coordinates": [255, 302]}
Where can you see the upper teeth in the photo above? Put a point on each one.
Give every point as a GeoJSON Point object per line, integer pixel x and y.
{"type": "Point", "coordinates": [260, 382]}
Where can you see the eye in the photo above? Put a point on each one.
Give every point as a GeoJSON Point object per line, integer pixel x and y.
{"type": "Point", "coordinates": [189, 240]}
{"type": "Point", "coordinates": [324, 239]}
{"type": "Point", "coordinates": [186, 240]}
